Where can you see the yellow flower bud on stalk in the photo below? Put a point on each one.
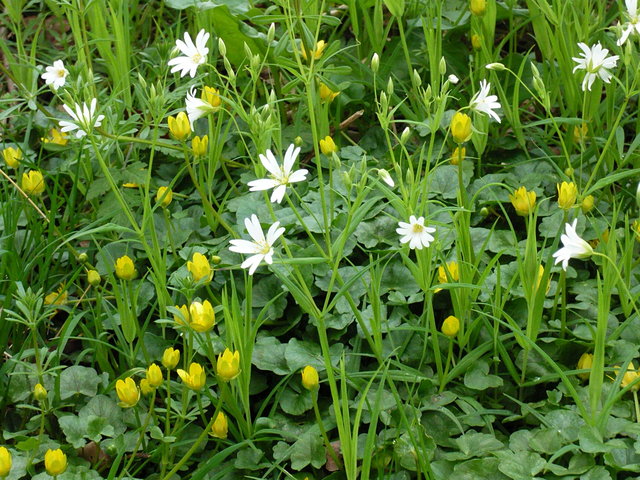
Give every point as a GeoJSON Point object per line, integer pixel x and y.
{"type": "Point", "coordinates": [125, 268]}
{"type": "Point", "coordinates": [310, 379]}
{"type": "Point", "coordinates": [195, 378]}
{"type": "Point", "coordinates": [128, 392]}
{"type": "Point", "coordinates": [220, 427]}
{"type": "Point", "coordinates": [587, 204]}
{"type": "Point", "coordinates": [478, 7]}
{"type": "Point", "coordinates": [170, 358]}
{"type": "Point", "coordinates": [39, 392]}
{"type": "Point", "coordinates": [55, 462]}
{"type": "Point", "coordinates": [12, 157]}
{"type": "Point", "coordinates": [200, 268]}
{"type": "Point", "coordinates": [211, 96]}
{"type": "Point", "coordinates": [523, 201]}
{"type": "Point", "coordinates": [228, 365]}
{"type": "Point", "coordinates": [327, 146]}
{"type": "Point", "coordinates": [5, 462]}
{"type": "Point", "coordinates": [93, 277]}
{"type": "Point", "coordinates": [567, 195]}
{"type": "Point", "coordinates": [326, 94]}
{"type": "Point", "coordinates": [179, 126]}
{"type": "Point", "coordinates": [183, 318]}
{"type": "Point", "coordinates": [451, 326]}
{"type": "Point", "coordinates": [316, 53]}
{"type": "Point", "coordinates": [154, 376]}
{"type": "Point", "coordinates": [164, 196]}
{"type": "Point", "coordinates": [476, 41]}
{"type": "Point", "coordinates": [199, 146]}
{"type": "Point", "coordinates": [32, 182]}
{"type": "Point", "coordinates": [201, 316]}
{"type": "Point", "coordinates": [584, 363]}
{"type": "Point", "coordinates": [458, 155]}
{"type": "Point", "coordinates": [451, 269]}
{"type": "Point", "coordinates": [461, 127]}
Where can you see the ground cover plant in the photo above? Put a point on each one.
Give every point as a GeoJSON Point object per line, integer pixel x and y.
{"type": "Point", "coordinates": [300, 239]}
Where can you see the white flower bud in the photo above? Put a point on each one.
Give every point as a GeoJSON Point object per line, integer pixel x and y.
{"type": "Point", "coordinates": [222, 47]}
{"type": "Point", "coordinates": [453, 79]}
{"type": "Point", "coordinates": [442, 66]}
{"type": "Point", "coordinates": [386, 178]}
{"type": "Point", "coordinates": [390, 86]}
{"type": "Point", "coordinates": [404, 136]}
{"type": "Point", "coordinates": [271, 34]}
{"type": "Point", "coordinates": [417, 80]}
{"type": "Point", "coordinates": [375, 63]}
{"type": "Point", "coordinates": [496, 66]}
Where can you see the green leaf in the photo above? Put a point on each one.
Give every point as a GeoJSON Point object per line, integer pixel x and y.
{"type": "Point", "coordinates": [478, 378]}
{"type": "Point", "coordinates": [234, 6]}
{"type": "Point", "coordinates": [78, 380]}
{"type": "Point", "coordinates": [396, 7]}
{"type": "Point", "coordinates": [249, 459]}
{"type": "Point", "coordinates": [268, 354]}
{"type": "Point", "coordinates": [105, 407]}
{"type": "Point", "coordinates": [520, 465]}
{"type": "Point", "coordinates": [474, 444]}
{"type": "Point", "coordinates": [308, 449]}
{"type": "Point", "coordinates": [295, 403]}
{"type": "Point", "coordinates": [478, 469]}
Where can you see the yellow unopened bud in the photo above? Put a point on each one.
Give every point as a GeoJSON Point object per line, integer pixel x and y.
{"type": "Point", "coordinates": [327, 145]}
{"type": "Point", "coordinates": [128, 392]}
{"type": "Point", "coordinates": [12, 156]}
{"type": "Point", "coordinates": [179, 126]}
{"type": "Point", "coordinates": [326, 94]}
{"type": "Point", "coordinates": [200, 268]}
{"type": "Point", "coordinates": [154, 376]}
{"type": "Point", "coordinates": [55, 462]}
{"type": "Point", "coordinates": [170, 358]}
{"type": "Point", "coordinates": [220, 427]}
{"type": "Point", "coordinates": [450, 326]}
{"type": "Point", "coordinates": [523, 201]}
{"type": "Point", "coordinates": [56, 137]}
{"type": "Point", "coordinates": [478, 7]}
{"type": "Point", "coordinates": [310, 379]}
{"type": "Point", "coordinates": [448, 273]}
{"type": "Point", "coordinates": [461, 127]}
{"type": "Point", "coordinates": [195, 378]}
{"type": "Point", "coordinates": [587, 204]}
{"type": "Point", "coordinates": [212, 97]}
{"type": "Point", "coordinates": [580, 132]}
{"type": "Point", "coordinates": [93, 277]}
{"type": "Point", "coordinates": [584, 363]}
{"type": "Point", "coordinates": [39, 393]}
{"type": "Point", "coordinates": [629, 377]}
{"type": "Point", "coordinates": [5, 462]}
{"type": "Point", "coordinates": [199, 146]}
{"type": "Point", "coordinates": [316, 53]}
{"type": "Point", "coordinates": [183, 317]}
{"type": "Point", "coordinates": [567, 195]}
{"type": "Point", "coordinates": [202, 316]}
{"type": "Point", "coordinates": [476, 41]}
{"type": "Point", "coordinates": [458, 155]}
{"type": "Point", "coordinates": [125, 268]}
{"type": "Point", "coordinates": [164, 196]}
{"type": "Point", "coordinates": [32, 182]}
{"type": "Point", "coordinates": [145, 387]}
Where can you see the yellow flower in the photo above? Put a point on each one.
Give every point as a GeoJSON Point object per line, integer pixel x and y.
{"type": "Point", "coordinates": [211, 96]}
{"type": "Point", "coordinates": [523, 201]}
{"type": "Point", "coordinates": [128, 392]}
{"type": "Point", "coordinates": [164, 196]}
{"type": "Point", "coordinates": [179, 126]}
{"type": "Point", "coordinates": [130, 185]}
{"type": "Point", "coordinates": [93, 277]}
{"type": "Point", "coordinates": [195, 378]}
{"type": "Point", "coordinates": [202, 316]}
{"type": "Point", "coordinates": [12, 156]}
{"type": "Point", "coordinates": [145, 387]}
{"type": "Point", "coordinates": [478, 7]}
{"type": "Point", "coordinates": [476, 41]}
{"type": "Point", "coordinates": [220, 427]}
{"type": "Point", "coordinates": [39, 392]}
{"type": "Point", "coordinates": [57, 298]}
{"type": "Point", "coordinates": [183, 318]}
{"type": "Point", "coordinates": [199, 145]}
{"type": "Point", "coordinates": [55, 462]}
{"type": "Point", "coordinates": [629, 377]}
{"type": "Point", "coordinates": [200, 268]}
{"type": "Point", "coordinates": [326, 94]}
{"type": "Point", "coordinates": [461, 127]}
{"type": "Point", "coordinates": [587, 204]}
{"type": "Point", "coordinates": [451, 269]}
{"type": "Point", "coordinates": [5, 462]}
{"type": "Point", "coordinates": [450, 326]}
{"type": "Point", "coordinates": [170, 358]}
{"type": "Point", "coordinates": [635, 228]}
{"type": "Point", "coordinates": [32, 182]}
{"type": "Point", "coordinates": [458, 155]}
{"type": "Point", "coordinates": [125, 268]}
{"type": "Point", "coordinates": [584, 363]}
{"type": "Point", "coordinates": [154, 376]}
{"type": "Point", "coordinates": [540, 275]}
{"type": "Point", "coordinates": [56, 137]}
{"type": "Point", "coordinates": [567, 195]}
{"type": "Point", "coordinates": [316, 52]}
{"type": "Point", "coordinates": [580, 132]}
{"type": "Point", "coordinates": [327, 146]}
{"type": "Point", "coordinates": [228, 365]}
{"type": "Point", "coordinates": [310, 378]}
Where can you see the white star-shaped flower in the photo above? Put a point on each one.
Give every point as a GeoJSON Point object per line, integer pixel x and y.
{"type": "Point", "coordinates": [196, 107]}
{"type": "Point", "coordinates": [415, 233]}
{"type": "Point", "coordinates": [596, 63]}
{"type": "Point", "coordinates": [194, 54]}
{"type": "Point", "coordinates": [633, 23]}
{"type": "Point", "coordinates": [485, 103]}
{"type": "Point", "coordinates": [572, 246]}
{"type": "Point", "coordinates": [261, 248]}
{"type": "Point", "coordinates": [84, 119]}
{"type": "Point", "coordinates": [55, 75]}
{"type": "Point", "coordinates": [280, 176]}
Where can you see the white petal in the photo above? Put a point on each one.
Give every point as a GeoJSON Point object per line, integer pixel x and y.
{"type": "Point", "coordinates": [262, 184]}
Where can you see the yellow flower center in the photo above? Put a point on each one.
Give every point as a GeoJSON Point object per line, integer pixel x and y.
{"type": "Point", "coordinates": [417, 228]}
{"type": "Point", "coordinates": [61, 73]}
{"type": "Point", "coordinates": [196, 58]}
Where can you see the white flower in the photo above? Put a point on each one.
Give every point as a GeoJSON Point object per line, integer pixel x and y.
{"type": "Point", "coordinates": [572, 246]}
{"type": "Point", "coordinates": [415, 233]}
{"type": "Point", "coordinates": [261, 248]}
{"type": "Point", "coordinates": [633, 23]}
{"type": "Point", "coordinates": [595, 63]}
{"type": "Point", "coordinates": [280, 176]}
{"type": "Point", "coordinates": [55, 75]}
{"type": "Point", "coordinates": [453, 79]}
{"type": "Point", "coordinates": [194, 55]}
{"type": "Point", "coordinates": [497, 66]}
{"type": "Point", "coordinates": [386, 177]}
{"type": "Point", "coordinates": [196, 107]}
{"type": "Point", "coordinates": [84, 119]}
{"type": "Point", "coordinates": [485, 103]}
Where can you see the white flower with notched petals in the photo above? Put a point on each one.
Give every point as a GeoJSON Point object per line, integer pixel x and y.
{"type": "Point", "coordinates": [572, 246]}
{"type": "Point", "coordinates": [84, 119]}
{"type": "Point", "coordinates": [261, 248]}
{"type": "Point", "coordinates": [194, 54]}
{"type": "Point", "coordinates": [55, 75]}
{"type": "Point", "coordinates": [280, 176]}
{"type": "Point", "coordinates": [634, 21]}
{"type": "Point", "coordinates": [415, 233]}
{"type": "Point", "coordinates": [485, 103]}
{"type": "Point", "coordinates": [596, 63]}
